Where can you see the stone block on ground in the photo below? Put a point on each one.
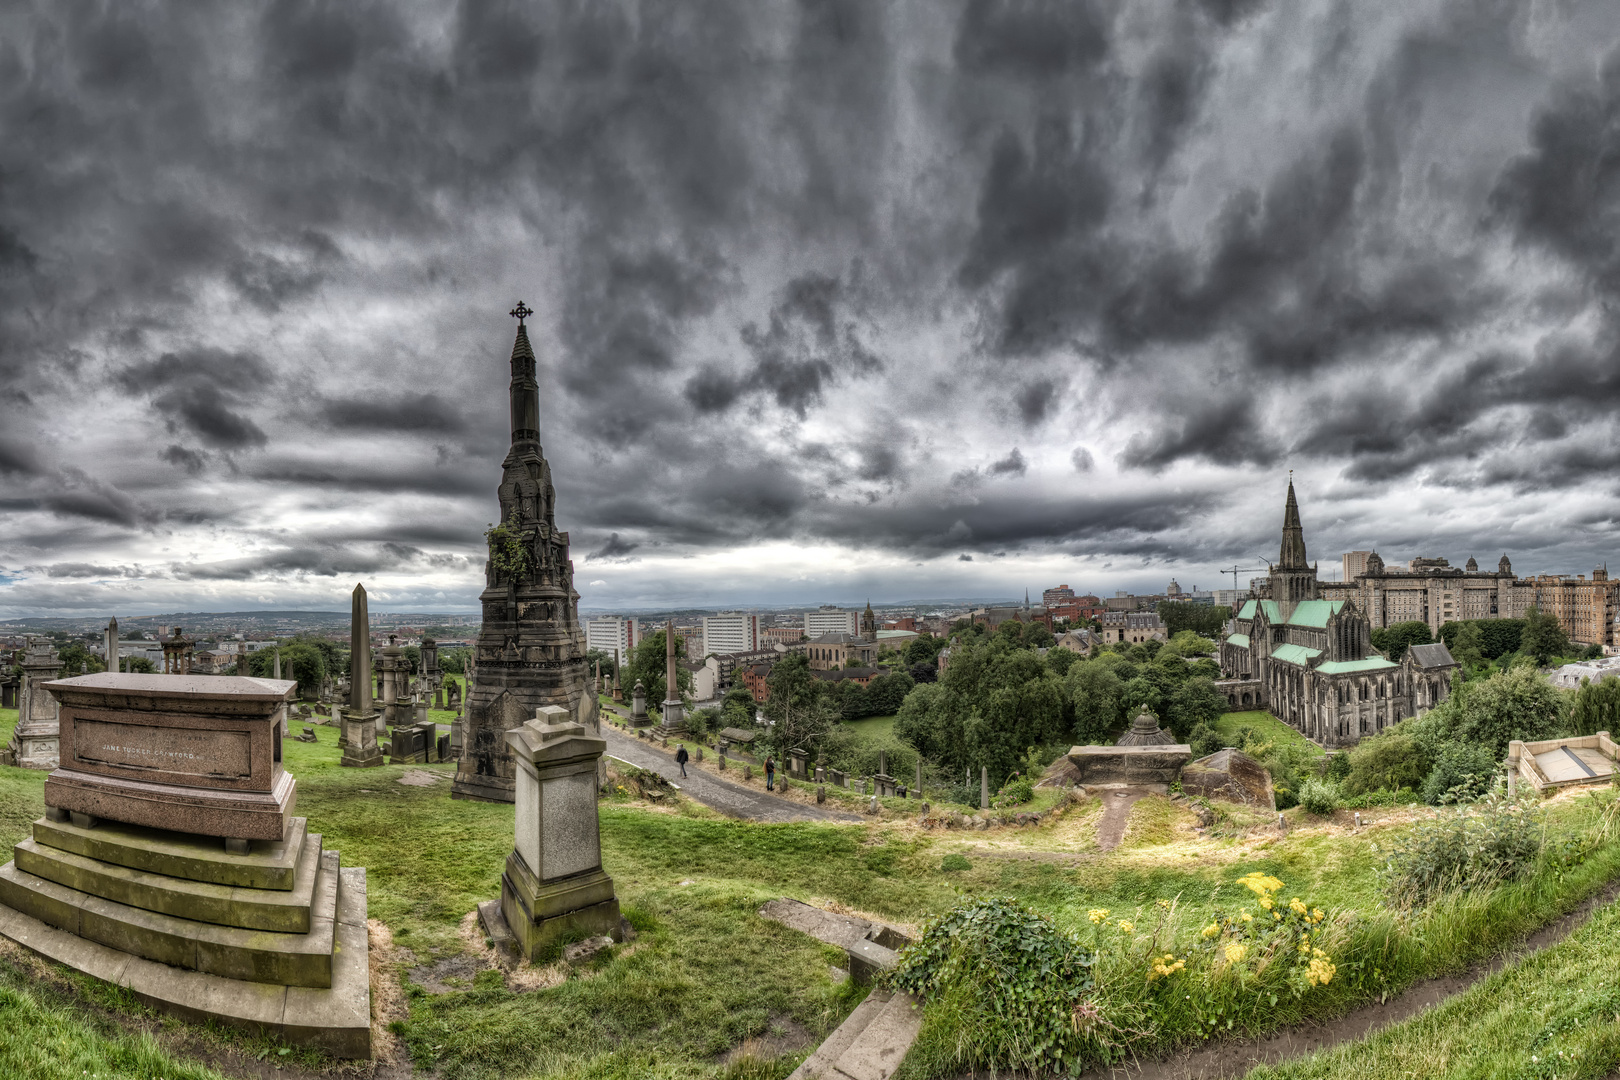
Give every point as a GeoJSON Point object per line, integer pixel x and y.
{"type": "Point", "coordinates": [1230, 775]}
{"type": "Point", "coordinates": [583, 952]}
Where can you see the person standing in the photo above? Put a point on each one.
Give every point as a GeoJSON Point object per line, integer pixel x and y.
{"type": "Point", "coordinates": [770, 773]}
{"type": "Point", "coordinates": [681, 758]}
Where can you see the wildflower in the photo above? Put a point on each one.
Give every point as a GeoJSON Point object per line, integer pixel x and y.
{"type": "Point", "coordinates": [1316, 915]}
{"type": "Point", "coordinates": [1297, 906]}
{"type": "Point", "coordinates": [1277, 915]}
{"type": "Point", "coordinates": [1097, 915]}
{"type": "Point", "coordinates": [1164, 904]}
{"type": "Point", "coordinates": [1126, 925]}
{"type": "Point", "coordinates": [1165, 966]}
{"type": "Point", "coordinates": [1212, 930]}
{"type": "Point", "coordinates": [1247, 917]}
{"type": "Point", "coordinates": [1321, 969]}
{"type": "Point", "coordinates": [1267, 902]}
{"type": "Point", "coordinates": [1235, 952]}
{"type": "Point", "coordinates": [1262, 885]}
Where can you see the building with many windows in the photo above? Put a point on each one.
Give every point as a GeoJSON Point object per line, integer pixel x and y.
{"type": "Point", "coordinates": [1585, 609]}
{"type": "Point", "coordinates": [731, 632]}
{"type": "Point", "coordinates": [829, 619]}
{"type": "Point", "coordinates": [613, 635]}
{"type": "Point", "coordinates": [1430, 590]}
{"type": "Point", "coordinates": [1310, 661]}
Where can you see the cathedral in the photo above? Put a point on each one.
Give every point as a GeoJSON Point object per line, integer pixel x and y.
{"type": "Point", "coordinates": [1310, 661]}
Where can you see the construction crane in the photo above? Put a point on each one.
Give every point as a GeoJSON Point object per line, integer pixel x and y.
{"type": "Point", "coordinates": [1236, 570]}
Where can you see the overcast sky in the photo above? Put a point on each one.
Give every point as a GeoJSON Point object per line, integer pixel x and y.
{"type": "Point", "coordinates": [833, 299]}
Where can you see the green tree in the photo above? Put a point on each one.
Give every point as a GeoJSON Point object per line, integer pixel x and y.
{"type": "Point", "coordinates": [886, 693]}
{"type": "Point", "coordinates": [1387, 762]}
{"type": "Point", "coordinates": [139, 665]}
{"type": "Point", "coordinates": [1542, 638]}
{"type": "Point", "coordinates": [1097, 696]}
{"type": "Point", "coordinates": [1194, 702]}
{"type": "Point", "coordinates": [1061, 660]}
{"type": "Point", "coordinates": [1394, 640]}
{"type": "Point", "coordinates": [1202, 619]}
{"type": "Point", "coordinates": [1513, 704]}
{"type": "Point", "coordinates": [647, 663]}
{"type": "Point", "coordinates": [1037, 636]}
{"type": "Point", "coordinates": [1596, 707]}
{"type": "Point", "coordinates": [597, 656]}
{"type": "Point", "coordinates": [798, 707]}
{"type": "Point", "coordinates": [78, 660]}
{"type": "Point", "coordinates": [1467, 645]}
{"type": "Point", "coordinates": [451, 660]}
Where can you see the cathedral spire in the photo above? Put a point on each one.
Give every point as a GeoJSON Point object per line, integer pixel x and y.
{"type": "Point", "coordinates": [1293, 538]}
{"type": "Point", "coordinates": [525, 391]}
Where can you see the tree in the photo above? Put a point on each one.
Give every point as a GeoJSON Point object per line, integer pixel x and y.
{"type": "Point", "coordinates": [1194, 702]}
{"type": "Point", "coordinates": [78, 660]}
{"type": "Point", "coordinates": [1037, 636]}
{"type": "Point", "coordinates": [926, 671]}
{"type": "Point", "coordinates": [300, 661]}
{"type": "Point", "coordinates": [139, 665]}
{"type": "Point", "coordinates": [451, 660]}
{"type": "Point", "coordinates": [1467, 644]}
{"type": "Point", "coordinates": [1513, 704]}
{"type": "Point", "coordinates": [1011, 631]}
{"type": "Point", "coordinates": [1394, 640]}
{"type": "Point", "coordinates": [1542, 638]}
{"type": "Point", "coordinates": [924, 650]}
{"type": "Point", "coordinates": [1202, 619]}
{"type": "Point", "coordinates": [737, 707]}
{"type": "Point", "coordinates": [1096, 694]}
{"type": "Point", "coordinates": [886, 693]}
{"type": "Point", "coordinates": [597, 656]}
{"type": "Point", "coordinates": [1061, 660]}
{"type": "Point", "coordinates": [798, 708]}
{"type": "Point", "coordinates": [1596, 707]}
{"type": "Point", "coordinates": [647, 663]}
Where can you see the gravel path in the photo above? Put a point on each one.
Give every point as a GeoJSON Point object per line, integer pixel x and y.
{"type": "Point", "coordinates": [730, 799]}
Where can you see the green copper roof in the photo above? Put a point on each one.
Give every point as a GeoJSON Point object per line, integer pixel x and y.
{"type": "Point", "coordinates": [1270, 608]}
{"type": "Point", "coordinates": [1240, 640]}
{"type": "Point", "coordinates": [1345, 667]}
{"type": "Point", "coordinates": [1246, 611]}
{"type": "Point", "coordinates": [1295, 654]}
{"type": "Point", "coordinates": [1314, 613]}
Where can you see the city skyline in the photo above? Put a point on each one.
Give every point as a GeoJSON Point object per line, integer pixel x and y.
{"type": "Point", "coordinates": [951, 299]}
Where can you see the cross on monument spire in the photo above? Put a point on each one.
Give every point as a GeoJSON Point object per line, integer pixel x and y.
{"type": "Point", "coordinates": [523, 311]}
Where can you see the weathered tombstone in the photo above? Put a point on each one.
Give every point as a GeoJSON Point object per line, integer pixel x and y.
{"type": "Point", "coordinates": [821, 793]}
{"type": "Point", "coordinates": [638, 706]}
{"type": "Point", "coordinates": [984, 788]}
{"type": "Point", "coordinates": [797, 762]}
{"type": "Point", "coordinates": [748, 772]}
{"type": "Point", "coordinates": [444, 752]}
{"type": "Point", "coordinates": [358, 726]}
{"type": "Point", "coordinates": [700, 753]}
{"type": "Point", "coordinates": [168, 844]}
{"type": "Point", "coordinates": [438, 699]}
{"type": "Point", "coordinates": [821, 774]}
{"type": "Point", "coordinates": [35, 744]}
{"type": "Point", "coordinates": [554, 885]}
{"type": "Point", "coordinates": [918, 788]}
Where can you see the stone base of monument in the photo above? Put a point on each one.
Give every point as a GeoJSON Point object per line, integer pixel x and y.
{"type": "Point", "coordinates": [35, 746]}
{"type": "Point", "coordinates": [359, 742]}
{"type": "Point", "coordinates": [271, 940]}
{"type": "Point", "coordinates": [544, 918]}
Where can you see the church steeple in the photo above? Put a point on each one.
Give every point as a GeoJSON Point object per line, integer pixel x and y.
{"type": "Point", "coordinates": [1293, 538]}
{"type": "Point", "coordinates": [525, 391]}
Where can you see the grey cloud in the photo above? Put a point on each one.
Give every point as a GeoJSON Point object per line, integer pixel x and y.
{"type": "Point", "coordinates": [1082, 460]}
{"type": "Point", "coordinates": [613, 550]}
{"type": "Point", "coordinates": [1011, 465]}
{"type": "Point", "coordinates": [194, 462]}
{"type": "Point", "coordinates": [426, 413]}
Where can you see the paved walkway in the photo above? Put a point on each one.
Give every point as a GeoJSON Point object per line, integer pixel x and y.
{"type": "Point", "coordinates": [730, 799]}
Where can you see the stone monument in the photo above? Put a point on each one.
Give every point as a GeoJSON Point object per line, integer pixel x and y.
{"type": "Point", "coordinates": [34, 743]}
{"type": "Point", "coordinates": [554, 886]}
{"type": "Point", "coordinates": [531, 647]}
{"type": "Point", "coordinates": [359, 731]}
{"type": "Point", "coordinates": [112, 645]}
{"type": "Point", "coordinates": [168, 862]}
{"type": "Point", "coordinates": [638, 706]}
{"type": "Point", "coordinates": [673, 723]}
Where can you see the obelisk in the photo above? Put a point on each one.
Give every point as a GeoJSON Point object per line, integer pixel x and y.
{"type": "Point", "coordinates": [112, 645]}
{"type": "Point", "coordinates": [673, 721]}
{"type": "Point", "coordinates": [359, 728]}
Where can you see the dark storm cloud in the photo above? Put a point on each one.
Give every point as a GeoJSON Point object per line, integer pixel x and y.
{"type": "Point", "coordinates": [427, 413]}
{"type": "Point", "coordinates": [192, 461]}
{"type": "Point", "coordinates": [1011, 465]}
{"type": "Point", "coordinates": [613, 550]}
{"type": "Point", "coordinates": [327, 560]}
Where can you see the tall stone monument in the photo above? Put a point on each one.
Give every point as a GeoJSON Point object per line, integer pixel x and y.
{"type": "Point", "coordinates": [35, 742]}
{"type": "Point", "coordinates": [531, 649]}
{"type": "Point", "coordinates": [112, 645]}
{"type": "Point", "coordinates": [554, 887]}
{"type": "Point", "coordinates": [359, 730]}
{"type": "Point", "coordinates": [674, 723]}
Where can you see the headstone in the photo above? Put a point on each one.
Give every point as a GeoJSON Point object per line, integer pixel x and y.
{"type": "Point", "coordinates": [638, 706]}
{"type": "Point", "coordinates": [798, 762]}
{"type": "Point", "coordinates": [358, 723]}
{"type": "Point", "coordinates": [984, 788]}
{"type": "Point", "coordinates": [821, 774]}
{"type": "Point", "coordinates": [821, 793]}
{"type": "Point", "coordinates": [700, 753]}
{"type": "Point", "coordinates": [442, 752]}
{"type": "Point", "coordinates": [438, 699]}
{"type": "Point", "coordinates": [35, 743]}
{"type": "Point", "coordinates": [748, 772]}
{"type": "Point", "coordinates": [554, 887]}
{"type": "Point", "coordinates": [919, 776]}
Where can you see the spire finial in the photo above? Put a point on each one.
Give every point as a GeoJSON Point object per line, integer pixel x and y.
{"type": "Point", "coordinates": [523, 311]}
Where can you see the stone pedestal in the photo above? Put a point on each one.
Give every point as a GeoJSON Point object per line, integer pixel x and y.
{"type": "Point", "coordinates": [798, 764]}
{"type": "Point", "coordinates": [554, 889]}
{"type": "Point", "coordinates": [35, 744]}
{"type": "Point", "coordinates": [360, 749]}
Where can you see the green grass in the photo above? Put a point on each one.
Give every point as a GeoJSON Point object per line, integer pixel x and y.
{"type": "Point", "coordinates": [880, 727]}
{"type": "Point", "coordinates": [1266, 726]}
{"type": "Point", "coordinates": [1556, 1013]}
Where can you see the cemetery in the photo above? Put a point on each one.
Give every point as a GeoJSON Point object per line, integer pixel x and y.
{"type": "Point", "coordinates": [500, 873]}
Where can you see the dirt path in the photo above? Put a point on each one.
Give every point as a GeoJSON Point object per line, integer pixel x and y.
{"type": "Point", "coordinates": [1228, 1059]}
{"type": "Point", "coordinates": [1116, 812]}
{"type": "Point", "coordinates": [730, 799]}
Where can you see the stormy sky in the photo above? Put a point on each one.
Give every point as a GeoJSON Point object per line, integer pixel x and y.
{"type": "Point", "coordinates": [834, 298]}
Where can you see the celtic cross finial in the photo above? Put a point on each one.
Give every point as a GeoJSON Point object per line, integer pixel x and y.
{"type": "Point", "coordinates": [521, 312]}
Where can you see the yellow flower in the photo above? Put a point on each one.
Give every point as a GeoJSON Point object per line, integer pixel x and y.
{"type": "Point", "coordinates": [1164, 966]}
{"type": "Point", "coordinates": [1267, 902]}
{"type": "Point", "coordinates": [1164, 904]}
{"type": "Point", "coordinates": [1297, 906]}
{"type": "Point", "coordinates": [1277, 915]}
{"type": "Point", "coordinates": [1260, 884]}
{"type": "Point", "coordinates": [1212, 930]}
{"type": "Point", "coordinates": [1316, 915]}
{"type": "Point", "coordinates": [1235, 952]}
{"type": "Point", "coordinates": [1321, 969]}
{"type": "Point", "coordinates": [1126, 925]}
{"type": "Point", "coordinates": [1247, 917]}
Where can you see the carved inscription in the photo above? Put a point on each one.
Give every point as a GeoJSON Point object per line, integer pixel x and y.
{"type": "Point", "coordinates": [178, 751]}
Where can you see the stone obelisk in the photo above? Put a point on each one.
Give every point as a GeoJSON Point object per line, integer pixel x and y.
{"type": "Point", "coordinates": [112, 645]}
{"type": "Point", "coordinates": [360, 749]}
{"type": "Point", "coordinates": [674, 723]}
{"type": "Point", "coordinates": [531, 647]}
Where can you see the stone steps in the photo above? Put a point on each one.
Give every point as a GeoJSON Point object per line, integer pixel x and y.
{"type": "Point", "coordinates": [268, 864]}
{"type": "Point", "coordinates": [294, 960]}
{"type": "Point", "coordinates": [285, 911]}
{"type": "Point", "coordinates": [870, 1044]}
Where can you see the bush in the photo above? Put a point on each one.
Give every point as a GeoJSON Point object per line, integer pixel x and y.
{"type": "Point", "coordinates": [955, 862]}
{"type": "Point", "coordinates": [1462, 772]}
{"type": "Point", "coordinates": [1020, 789]}
{"type": "Point", "coordinates": [1014, 979]}
{"type": "Point", "coordinates": [1387, 762]}
{"type": "Point", "coordinates": [1497, 839]}
{"type": "Point", "coordinates": [1338, 767]}
{"type": "Point", "coordinates": [1205, 741]}
{"type": "Point", "coordinates": [1319, 797]}
{"type": "Point", "coordinates": [701, 723]}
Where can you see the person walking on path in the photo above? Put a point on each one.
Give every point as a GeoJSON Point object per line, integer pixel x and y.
{"type": "Point", "coordinates": [770, 773]}
{"type": "Point", "coordinates": [681, 758]}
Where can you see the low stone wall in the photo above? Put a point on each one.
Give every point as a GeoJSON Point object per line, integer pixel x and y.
{"type": "Point", "coordinates": [1153, 767]}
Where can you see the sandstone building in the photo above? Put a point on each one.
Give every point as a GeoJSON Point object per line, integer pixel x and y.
{"type": "Point", "coordinates": [1310, 660]}
{"type": "Point", "coordinates": [1433, 591]}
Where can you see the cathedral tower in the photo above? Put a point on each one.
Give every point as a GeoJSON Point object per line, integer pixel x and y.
{"type": "Point", "coordinates": [1292, 578]}
{"type": "Point", "coordinates": [531, 650]}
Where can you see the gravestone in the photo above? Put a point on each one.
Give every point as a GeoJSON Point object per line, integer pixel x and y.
{"type": "Point", "coordinates": [984, 788]}
{"type": "Point", "coordinates": [35, 742]}
{"type": "Point", "coordinates": [638, 706]}
{"type": "Point", "coordinates": [798, 762]}
{"type": "Point", "coordinates": [169, 845]}
{"type": "Point", "coordinates": [357, 726]}
{"type": "Point", "coordinates": [554, 886]}
{"type": "Point", "coordinates": [821, 774]}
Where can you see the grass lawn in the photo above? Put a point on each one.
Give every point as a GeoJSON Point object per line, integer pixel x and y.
{"type": "Point", "coordinates": [872, 726]}
{"type": "Point", "coordinates": [707, 974]}
{"type": "Point", "coordinates": [1267, 726]}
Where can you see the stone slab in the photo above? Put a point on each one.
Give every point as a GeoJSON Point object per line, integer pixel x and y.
{"type": "Point", "coordinates": [199, 997]}
{"type": "Point", "coordinates": [879, 1049]}
{"type": "Point", "coordinates": [231, 952]}
{"type": "Point", "coordinates": [1129, 766]}
{"type": "Point", "coordinates": [825, 1057]}
{"type": "Point", "coordinates": [268, 864]}
{"type": "Point", "coordinates": [338, 1019]}
{"type": "Point", "coordinates": [1230, 775]}
{"type": "Point", "coordinates": [868, 960]}
{"type": "Point", "coordinates": [285, 911]}
{"type": "Point", "coordinates": [251, 815]}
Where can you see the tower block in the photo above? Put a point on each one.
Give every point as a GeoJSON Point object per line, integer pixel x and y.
{"type": "Point", "coordinates": [531, 650]}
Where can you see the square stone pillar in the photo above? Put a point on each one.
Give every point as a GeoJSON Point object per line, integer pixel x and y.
{"type": "Point", "coordinates": [554, 889]}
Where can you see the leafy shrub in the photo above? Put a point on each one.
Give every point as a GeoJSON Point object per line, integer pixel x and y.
{"type": "Point", "coordinates": [1497, 839]}
{"type": "Point", "coordinates": [1017, 982]}
{"type": "Point", "coordinates": [1205, 741]}
{"type": "Point", "coordinates": [701, 723]}
{"type": "Point", "coordinates": [1462, 772]}
{"type": "Point", "coordinates": [1387, 762]}
{"type": "Point", "coordinates": [1019, 789]}
{"type": "Point", "coordinates": [1319, 797]}
{"type": "Point", "coordinates": [1338, 767]}
{"type": "Point", "coordinates": [954, 862]}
